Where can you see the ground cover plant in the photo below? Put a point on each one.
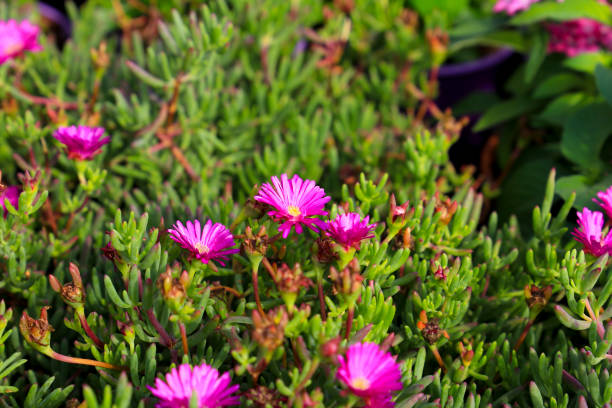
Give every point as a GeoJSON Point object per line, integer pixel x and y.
{"type": "Point", "coordinates": [249, 203]}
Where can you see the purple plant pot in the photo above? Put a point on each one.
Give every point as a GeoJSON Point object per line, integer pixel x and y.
{"type": "Point", "coordinates": [456, 81]}
{"type": "Point", "coordinates": [59, 22]}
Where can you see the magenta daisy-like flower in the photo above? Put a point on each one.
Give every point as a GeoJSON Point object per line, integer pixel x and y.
{"type": "Point", "coordinates": [605, 201]}
{"type": "Point", "coordinates": [213, 242]}
{"type": "Point", "coordinates": [588, 233]}
{"type": "Point", "coordinates": [17, 38]}
{"type": "Point", "coordinates": [82, 142]}
{"type": "Point", "coordinates": [212, 389]}
{"type": "Point", "coordinates": [296, 203]}
{"type": "Point", "coordinates": [11, 194]}
{"type": "Point", "coordinates": [349, 230]}
{"type": "Point", "coordinates": [370, 373]}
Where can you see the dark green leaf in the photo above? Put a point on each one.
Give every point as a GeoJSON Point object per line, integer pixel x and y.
{"type": "Point", "coordinates": [603, 79]}
{"type": "Point", "coordinates": [562, 11]}
{"type": "Point", "coordinates": [588, 61]}
{"type": "Point", "coordinates": [557, 84]}
{"type": "Point", "coordinates": [504, 111]}
{"type": "Point", "coordinates": [585, 133]}
{"type": "Point", "coordinates": [537, 54]}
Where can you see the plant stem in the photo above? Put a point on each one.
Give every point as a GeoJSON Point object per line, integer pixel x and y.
{"type": "Point", "coordinates": [165, 337]}
{"type": "Point", "coordinates": [85, 361]}
{"type": "Point", "coordinates": [88, 331]}
{"type": "Point", "coordinates": [227, 289]}
{"type": "Point", "coordinates": [521, 339]}
{"type": "Point", "coordinates": [322, 301]}
{"type": "Point", "coordinates": [255, 278]}
{"type": "Point", "coordinates": [436, 354]}
{"type": "Point", "coordinates": [600, 328]}
{"type": "Point", "coordinates": [570, 379]}
{"type": "Point", "coordinates": [349, 322]}
{"type": "Point", "coordinates": [184, 338]}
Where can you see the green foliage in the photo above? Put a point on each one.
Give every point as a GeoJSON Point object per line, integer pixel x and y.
{"type": "Point", "coordinates": [203, 104]}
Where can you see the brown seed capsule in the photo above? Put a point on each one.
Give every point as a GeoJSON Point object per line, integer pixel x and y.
{"type": "Point", "coordinates": [537, 297]}
{"type": "Point", "coordinates": [430, 328]}
{"type": "Point", "coordinates": [171, 288]}
{"type": "Point", "coordinates": [446, 208]}
{"type": "Point", "coordinates": [263, 397]}
{"type": "Point", "coordinates": [324, 250]}
{"type": "Point", "coordinates": [36, 331]}
{"type": "Point", "coordinates": [269, 329]}
{"type": "Point", "coordinates": [255, 244]}
{"type": "Point", "coordinates": [73, 292]}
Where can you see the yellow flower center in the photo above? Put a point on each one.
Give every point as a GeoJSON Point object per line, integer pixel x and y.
{"type": "Point", "coordinates": [360, 383]}
{"type": "Point", "coordinates": [13, 47]}
{"type": "Point", "coordinates": [293, 210]}
{"type": "Point", "coordinates": [202, 249]}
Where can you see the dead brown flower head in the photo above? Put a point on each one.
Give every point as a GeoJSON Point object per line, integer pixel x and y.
{"type": "Point", "coordinates": [269, 329]}
{"type": "Point", "coordinates": [36, 331]}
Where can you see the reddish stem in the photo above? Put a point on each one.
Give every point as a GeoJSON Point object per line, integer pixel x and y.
{"type": "Point", "coordinates": [255, 278]}
{"type": "Point", "coordinates": [90, 332]}
{"type": "Point", "coordinates": [40, 100]}
{"type": "Point", "coordinates": [184, 338]}
{"type": "Point", "coordinates": [349, 322]}
{"type": "Point", "coordinates": [85, 361]}
{"type": "Point", "coordinates": [523, 334]}
{"type": "Point", "coordinates": [322, 302]}
{"type": "Point", "coordinates": [163, 334]}
{"type": "Point", "coordinates": [436, 354]}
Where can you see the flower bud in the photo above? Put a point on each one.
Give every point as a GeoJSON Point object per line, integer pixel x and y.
{"type": "Point", "coordinates": [331, 348]}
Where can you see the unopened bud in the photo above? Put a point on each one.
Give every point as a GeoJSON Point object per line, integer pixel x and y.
{"type": "Point", "coordinates": [331, 348]}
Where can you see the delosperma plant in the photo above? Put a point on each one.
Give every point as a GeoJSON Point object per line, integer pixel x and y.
{"type": "Point", "coordinates": [251, 204]}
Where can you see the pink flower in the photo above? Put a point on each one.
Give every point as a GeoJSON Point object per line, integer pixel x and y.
{"type": "Point", "coordinates": [213, 390]}
{"type": "Point", "coordinates": [578, 36]}
{"type": "Point", "coordinates": [296, 202]}
{"type": "Point", "coordinates": [588, 233]}
{"type": "Point", "coordinates": [370, 373]}
{"type": "Point", "coordinates": [16, 38]}
{"type": "Point", "coordinates": [82, 142]}
{"type": "Point", "coordinates": [512, 6]}
{"type": "Point", "coordinates": [11, 194]}
{"type": "Point", "coordinates": [606, 201]}
{"type": "Point", "coordinates": [349, 229]}
{"type": "Point", "coordinates": [206, 244]}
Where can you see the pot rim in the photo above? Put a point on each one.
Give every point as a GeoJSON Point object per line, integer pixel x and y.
{"type": "Point", "coordinates": [480, 64]}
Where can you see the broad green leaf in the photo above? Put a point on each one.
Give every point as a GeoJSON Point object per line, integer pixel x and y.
{"type": "Point", "coordinates": [537, 53]}
{"type": "Point", "coordinates": [498, 39]}
{"type": "Point", "coordinates": [473, 27]}
{"type": "Point", "coordinates": [562, 107]}
{"type": "Point", "coordinates": [585, 133]}
{"type": "Point", "coordinates": [588, 61]}
{"type": "Point", "coordinates": [524, 187]}
{"type": "Point", "coordinates": [585, 191]}
{"type": "Point", "coordinates": [557, 84]}
{"type": "Point", "coordinates": [562, 11]}
{"type": "Point", "coordinates": [603, 79]}
{"type": "Point", "coordinates": [504, 111]}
